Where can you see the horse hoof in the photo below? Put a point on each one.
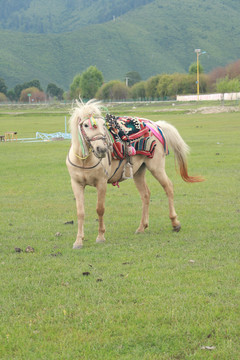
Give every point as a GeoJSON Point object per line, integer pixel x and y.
{"type": "Point", "coordinates": [141, 229]}
{"type": "Point", "coordinates": [177, 228]}
{"type": "Point", "coordinates": [99, 241]}
{"type": "Point", "coordinates": [139, 232]}
{"type": "Point", "coordinates": [77, 246]}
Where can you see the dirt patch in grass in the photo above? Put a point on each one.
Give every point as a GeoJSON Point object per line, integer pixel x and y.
{"type": "Point", "coordinates": [214, 110]}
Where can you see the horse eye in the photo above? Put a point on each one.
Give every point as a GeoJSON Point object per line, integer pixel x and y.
{"type": "Point", "coordinates": [86, 125]}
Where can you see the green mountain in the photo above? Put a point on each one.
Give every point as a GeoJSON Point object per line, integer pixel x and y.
{"type": "Point", "coordinates": [59, 16]}
{"type": "Point", "coordinates": [54, 40]}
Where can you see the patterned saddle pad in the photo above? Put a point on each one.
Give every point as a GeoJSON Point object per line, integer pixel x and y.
{"type": "Point", "coordinates": [127, 132]}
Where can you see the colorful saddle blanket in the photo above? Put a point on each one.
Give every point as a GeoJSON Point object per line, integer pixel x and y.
{"type": "Point", "coordinates": [127, 132]}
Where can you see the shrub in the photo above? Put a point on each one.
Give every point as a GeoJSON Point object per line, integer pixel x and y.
{"type": "Point", "coordinates": [3, 97]}
{"type": "Point", "coordinates": [138, 91]}
{"type": "Point", "coordinates": [113, 90]}
{"type": "Point", "coordinates": [75, 90]}
{"type": "Point", "coordinates": [228, 85]}
{"type": "Point", "coordinates": [36, 95]}
{"type": "Point", "coordinates": [151, 86]}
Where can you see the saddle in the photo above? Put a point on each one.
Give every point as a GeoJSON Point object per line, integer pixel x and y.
{"type": "Point", "coordinates": [130, 136]}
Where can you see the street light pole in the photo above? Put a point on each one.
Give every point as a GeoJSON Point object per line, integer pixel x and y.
{"type": "Point", "coordinates": [198, 52]}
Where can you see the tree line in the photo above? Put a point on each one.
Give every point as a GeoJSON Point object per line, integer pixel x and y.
{"type": "Point", "coordinates": [90, 84]}
{"type": "Point", "coordinates": [30, 91]}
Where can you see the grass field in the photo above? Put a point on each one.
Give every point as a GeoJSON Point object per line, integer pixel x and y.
{"type": "Point", "coordinates": [161, 295]}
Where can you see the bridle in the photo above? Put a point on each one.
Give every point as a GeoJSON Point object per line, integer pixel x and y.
{"type": "Point", "coordinates": [106, 140]}
{"type": "Point", "coordinates": [94, 138]}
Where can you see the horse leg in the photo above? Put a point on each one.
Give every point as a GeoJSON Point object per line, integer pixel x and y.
{"type": "Point", "coordinates": [101, 191]}
{"type": "Point", "coordinates": [78, 191]}
{"type": "Point", "coordinates": [141, 185]}
{"type": "Point", "coordinates": [158, 171]}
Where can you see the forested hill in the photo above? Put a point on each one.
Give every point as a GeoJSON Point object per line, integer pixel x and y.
{"type": "Point", "coordinates": [58, 16]}
{"type": "Point", "coordinates": [54, 40]}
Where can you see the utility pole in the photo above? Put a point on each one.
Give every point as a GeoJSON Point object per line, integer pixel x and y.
{"type": "Point", "coordinates": [198, 52]}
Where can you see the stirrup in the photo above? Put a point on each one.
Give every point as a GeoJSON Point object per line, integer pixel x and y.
{"type": "Point", "coordinates": [127, 171]}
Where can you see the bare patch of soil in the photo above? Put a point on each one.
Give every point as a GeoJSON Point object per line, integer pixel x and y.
{"type": "Point", "coordinates": [214, 110]}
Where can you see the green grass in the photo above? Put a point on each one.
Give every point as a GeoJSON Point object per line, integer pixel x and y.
{"type": "Point", "coordinates": [144, 298]}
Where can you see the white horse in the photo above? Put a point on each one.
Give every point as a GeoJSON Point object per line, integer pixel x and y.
{"type": "Point", "coordinates": [90, 162]}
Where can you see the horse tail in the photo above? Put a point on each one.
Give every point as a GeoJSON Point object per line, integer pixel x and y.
{"type": "Point", "coordinates": [180, 148]}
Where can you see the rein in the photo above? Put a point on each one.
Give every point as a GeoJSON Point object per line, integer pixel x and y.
{"type": "Point", "coordinates": [83, 167]}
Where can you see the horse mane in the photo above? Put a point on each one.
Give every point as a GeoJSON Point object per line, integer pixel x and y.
{"type": "Point", "coordinates": [81, 112]}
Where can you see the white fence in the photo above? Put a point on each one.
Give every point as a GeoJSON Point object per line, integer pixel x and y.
{"type": "Point", "coordinates": [204, 97]}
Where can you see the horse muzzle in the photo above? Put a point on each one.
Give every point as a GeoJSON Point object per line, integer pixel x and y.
{"type": "Point", "coordinates": [101, 151]}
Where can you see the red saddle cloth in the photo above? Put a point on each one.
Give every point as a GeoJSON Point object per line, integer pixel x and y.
{"type": "Point", "coordinates": [127, 132]}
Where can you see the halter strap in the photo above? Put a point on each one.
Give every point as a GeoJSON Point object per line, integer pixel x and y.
{"type": "Point", "coordinates": [94, 138]}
